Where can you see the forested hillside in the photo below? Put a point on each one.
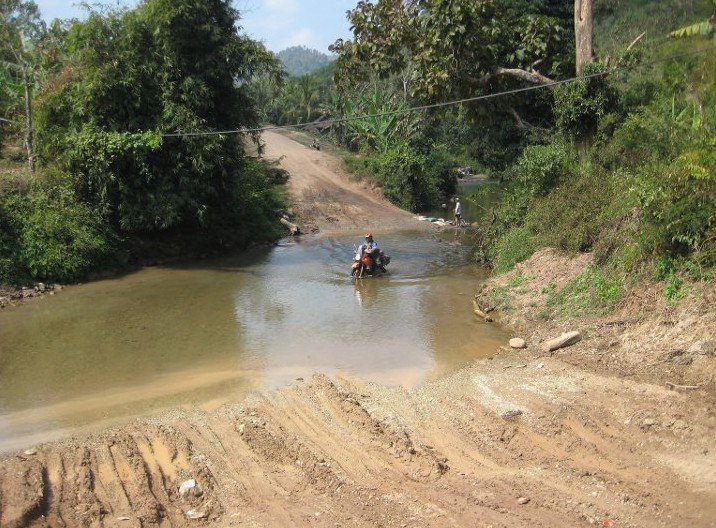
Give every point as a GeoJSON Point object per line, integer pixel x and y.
{"type": "Point", "coordinates": [300, 60]}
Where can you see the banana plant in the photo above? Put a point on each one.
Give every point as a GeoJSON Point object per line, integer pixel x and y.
{"type": "Point", "coordinates": [379, 121]}
{"type": "Point", "coordinates": [705, 28]}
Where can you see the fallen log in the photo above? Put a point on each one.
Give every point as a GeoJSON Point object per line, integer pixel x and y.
{"type": "Point", "coordinates": [480, 313]}
{"type": "Point", "coordinates": [293, 228]}
{"type": "Point", "coordinates": [562, 341]}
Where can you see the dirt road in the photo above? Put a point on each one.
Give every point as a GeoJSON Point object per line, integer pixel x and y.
{"type": "Point", "coordinates": [469, 450]}
{"type": "Point", "coordinates": [326, 198]}
{"type": "Point", "coordinates": [523, 439]}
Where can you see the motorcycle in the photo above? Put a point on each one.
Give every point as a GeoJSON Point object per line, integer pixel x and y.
{"type": "Point", "coordinates": [367, 264]}
{"type": "Point", "coordinates": [315, 145]}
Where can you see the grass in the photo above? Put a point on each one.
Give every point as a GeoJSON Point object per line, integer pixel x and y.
{"type": "Point", "coordinates": [619, 22]}
{"type": "Point", "coordinates": [590, 293]}
{"type": "Point", "coordinates": [516, 281]}
{"type": "Point", "coordinates": [500, 298]}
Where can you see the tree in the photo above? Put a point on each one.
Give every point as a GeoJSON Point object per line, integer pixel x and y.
{"type": "Point", "coordinates": [584, 31]}
{"type": "Point", "coordinates": [21, 27]}
{"type": "Point", "coordinates": [457, 46]}
{"type": "Point", "coordinates": [169, 66]}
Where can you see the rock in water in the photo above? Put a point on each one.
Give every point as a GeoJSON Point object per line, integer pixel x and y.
{"type": "Point", "coordinates": [517, 343]}
{"type": "Point", "coordinates": [562, 341]}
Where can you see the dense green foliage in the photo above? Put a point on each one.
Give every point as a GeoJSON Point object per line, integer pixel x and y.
{"type": "Point", "coordinates": [411, 179]}
{"type": "Point", "coordinates": [644, 195]}
{"type": "Point", "coordinates": [300, 60]}
{"type": "Point", "coordinates": [456, 47]}
{"type": "Point", "coordinates": [57, 236]}
{"type": "Point", "coordinates": [123, 187]}
{"type": "Point", "coordinates": [296, 99]}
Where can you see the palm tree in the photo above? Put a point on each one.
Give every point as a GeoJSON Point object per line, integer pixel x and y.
{"type": "Point", "coordinates": [309, 94]}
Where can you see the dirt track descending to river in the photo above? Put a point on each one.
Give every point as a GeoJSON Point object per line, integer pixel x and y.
{"type": "Point", "coordinates": [326, 198]}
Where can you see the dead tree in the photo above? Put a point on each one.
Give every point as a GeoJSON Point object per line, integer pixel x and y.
{"type": "Point", "coordinates": [583, 30]}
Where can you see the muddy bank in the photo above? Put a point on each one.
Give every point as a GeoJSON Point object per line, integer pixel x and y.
{"type": "Point", "coordinates": [542, 445]}
{"type": "Point", "coordinates": [15, 295]}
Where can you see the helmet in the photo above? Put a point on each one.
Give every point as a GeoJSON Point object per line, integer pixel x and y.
{"type": "Point", "coordinates": [369, 235]}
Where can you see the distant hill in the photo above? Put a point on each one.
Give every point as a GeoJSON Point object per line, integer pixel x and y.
{"type": "Point", "coordinates": [299, 60]}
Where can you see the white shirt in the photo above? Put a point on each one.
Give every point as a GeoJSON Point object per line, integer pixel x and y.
{"type": "Point", "coordinates": [458, 208]}
{"type": "Point", "coordinates": [367, 247]}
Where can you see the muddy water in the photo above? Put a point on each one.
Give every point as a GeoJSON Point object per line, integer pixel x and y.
{"type": "Point", "coordinates": [477, 199]}
{"type": "Point", "coordinates": [203, 334]}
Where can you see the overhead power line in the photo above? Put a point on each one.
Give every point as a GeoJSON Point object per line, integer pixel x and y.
{"type": "Point", "coordinates": [422, 108]}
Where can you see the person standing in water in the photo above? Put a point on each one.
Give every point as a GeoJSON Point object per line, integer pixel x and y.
{"type": "Point", "coordinates": [458, 212]}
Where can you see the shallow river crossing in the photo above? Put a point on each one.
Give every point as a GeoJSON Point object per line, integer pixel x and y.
{"type": "Point", "coordinates": [207, 333]}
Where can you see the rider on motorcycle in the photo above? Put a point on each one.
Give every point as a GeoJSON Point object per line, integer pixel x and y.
{"type": "Point", "coordinates": [371, 248]}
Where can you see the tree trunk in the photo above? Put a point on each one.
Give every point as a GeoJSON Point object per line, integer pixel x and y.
{"type": "Point", "coordinates": [28, 120]}
{"type": "Point", "coordinates": [28, 105]}
{"type": "Point", "coordinates": [583, 30]}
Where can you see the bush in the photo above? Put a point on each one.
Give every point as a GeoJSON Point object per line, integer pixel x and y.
{"type": "Point", "coordinates": [247, 213]}
{"type": "Point", "coordinates": [580, 105]}
{"type": "Point", "coordinates": [571, 217]}
{"type": "Point", "coordinates": [440, 171]}
{"type": "Point", "coordinates": [516, 246]}
{"type": "Point", "coordinates": [58, 237]}
{"type": "Point", "coordinates": [540, 168]}
{"type": "Point", "coordinates": [412, 180]}
{"type": "Point", "coordinates": [8, 249]}
{"type": "Point", "coordinates": [679, 202]}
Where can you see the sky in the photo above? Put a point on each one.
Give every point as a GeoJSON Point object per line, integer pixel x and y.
{"type": "Point", "coordinates": [277, 23]}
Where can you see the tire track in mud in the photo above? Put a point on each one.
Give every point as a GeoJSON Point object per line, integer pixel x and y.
{"type": "Point", "coordinates": [327, 453]}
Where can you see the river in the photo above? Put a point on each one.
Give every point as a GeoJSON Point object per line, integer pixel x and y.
{"type": "Point", "coordinates": [202, 334]}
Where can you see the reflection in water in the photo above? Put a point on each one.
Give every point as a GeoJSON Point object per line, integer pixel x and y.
{"type": "Point", "coordinates": [215, 330]}
{"type": "Point", "coordinates": [366, 292]}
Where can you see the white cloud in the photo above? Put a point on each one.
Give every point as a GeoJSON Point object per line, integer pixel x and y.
{"type": "Point", "coordinates": [275, 15]}
{"type": "Point", "coordinates": [282, 6]}
{"type": "Point", "coordinates": [302, 37]}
